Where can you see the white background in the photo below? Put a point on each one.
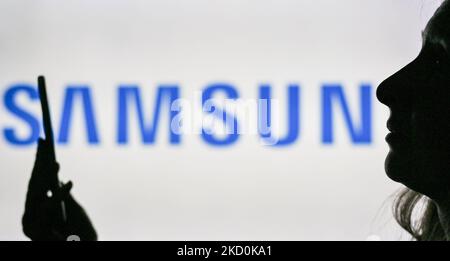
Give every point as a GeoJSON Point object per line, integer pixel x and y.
{"type": "Point", "coordinates": [197, 192]}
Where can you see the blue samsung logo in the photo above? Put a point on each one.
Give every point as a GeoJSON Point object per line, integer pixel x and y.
{"type": "Point", "coordinates": [333, 101]}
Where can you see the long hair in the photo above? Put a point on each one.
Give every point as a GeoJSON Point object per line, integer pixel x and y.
{"type": "Point", "coordinates": [418, 215]}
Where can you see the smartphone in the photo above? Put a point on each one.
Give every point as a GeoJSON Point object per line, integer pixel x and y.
{"type": "Point", "coordinates": [48, 131]}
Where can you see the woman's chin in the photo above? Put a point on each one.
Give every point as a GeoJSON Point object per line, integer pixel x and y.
{"type": "Point", "coordinates": [398, 165]}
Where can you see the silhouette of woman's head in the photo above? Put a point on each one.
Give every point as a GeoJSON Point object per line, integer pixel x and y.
{"type": "Point", "coordinates": [418, 97]}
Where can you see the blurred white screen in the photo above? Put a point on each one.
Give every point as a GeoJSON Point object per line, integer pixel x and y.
{"type": "Point", "coordinates": [194, 190]}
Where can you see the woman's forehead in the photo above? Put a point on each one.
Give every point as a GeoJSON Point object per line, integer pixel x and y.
{"type": "Point", "coordinates": [438, 28]}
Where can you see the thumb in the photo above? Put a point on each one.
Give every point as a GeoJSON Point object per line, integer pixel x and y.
{"type": "Point", "coordinates": [64, 190]}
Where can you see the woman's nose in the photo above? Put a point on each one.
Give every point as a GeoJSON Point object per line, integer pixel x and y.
{"type": "Point", "coordinates": [384, 92]}
{"type": "Point", "coordinates": [398, 87]}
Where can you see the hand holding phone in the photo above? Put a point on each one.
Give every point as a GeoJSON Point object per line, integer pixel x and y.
{"type": "Point", "coordinates": [51, 213]}
{"type": "Point", "coordinates": [48, 130]}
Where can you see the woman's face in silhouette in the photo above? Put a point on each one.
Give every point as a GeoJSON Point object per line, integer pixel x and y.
{"type": "Point", "coordinates": [418, 97]}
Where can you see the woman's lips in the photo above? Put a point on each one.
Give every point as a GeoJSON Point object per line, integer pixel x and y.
{"type": "Point", "coordinates": [397, 140]}
{"type": "Point", "coordinates": [390, 137]}
{"type": "Point", "coordinates": [399, 134]}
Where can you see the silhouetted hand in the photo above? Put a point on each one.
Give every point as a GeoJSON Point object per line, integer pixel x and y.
{"type": "Point", "coordinates": [42, 219]}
